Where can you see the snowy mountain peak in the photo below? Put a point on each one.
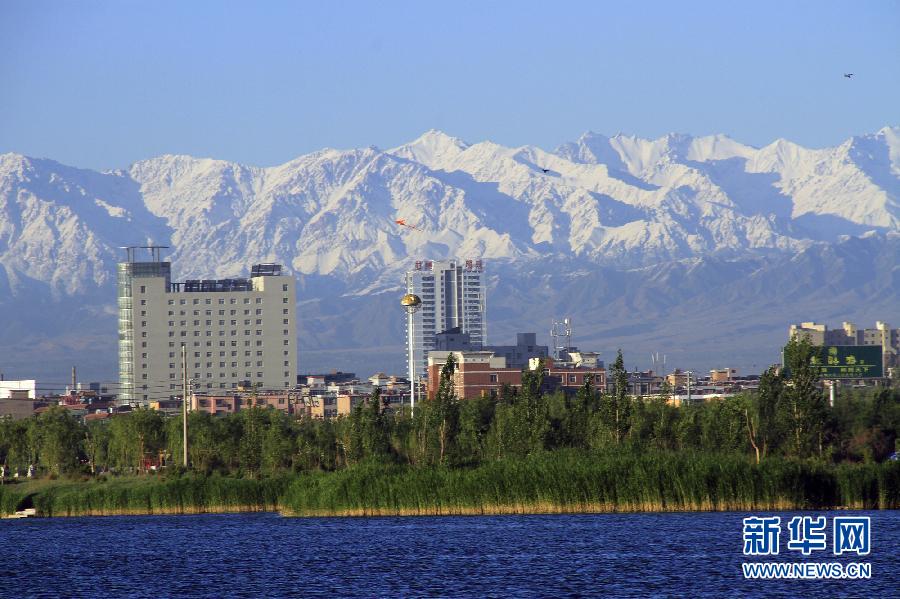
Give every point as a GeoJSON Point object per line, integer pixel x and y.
{"type": "Point", "coordinates": [431, 147]}
{"type": "Point", "coordinates": [600, 200]}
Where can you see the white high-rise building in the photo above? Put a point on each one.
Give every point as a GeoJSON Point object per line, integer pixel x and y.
{"type": "Point", "coordinates": [453, 296]}
{"type": "Point", "coordinates": [233, 330]}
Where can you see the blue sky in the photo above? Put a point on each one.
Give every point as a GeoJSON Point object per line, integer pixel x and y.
{"type": "Point", "coordinates": [102, 84]}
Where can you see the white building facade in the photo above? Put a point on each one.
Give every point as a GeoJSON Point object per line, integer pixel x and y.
{"type": "Point", "coordinates": [233, 330]}
{"type": "Point", "coordinates": [453, 296]}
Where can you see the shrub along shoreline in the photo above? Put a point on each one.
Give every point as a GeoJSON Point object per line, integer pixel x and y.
{"type": "Point", "coordinates": [560, 482]}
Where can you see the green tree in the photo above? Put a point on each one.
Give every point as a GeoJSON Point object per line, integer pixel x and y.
{"type": "Point", "coordinates": [806, 406]}
{"type": "Point", "coordinates": [771, 405]}
{"type": "Point", "coordinates": [277, 443]}
{"type": "Point", "coordinates": [148, 434]}
{"type": "Point", "coordinates": [445, 412]}
{"type": "Point", "coordinates": [618, 412]}
{"type": "Point", "coordinates": [59, 436]}
{"type": "Point", "coordinates": [96, 444]}
{"type": "Point", "coordinates": [251, 440]}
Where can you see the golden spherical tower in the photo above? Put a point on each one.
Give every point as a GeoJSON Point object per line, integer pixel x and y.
{"type": "Point", "coordinates": [411, 304]}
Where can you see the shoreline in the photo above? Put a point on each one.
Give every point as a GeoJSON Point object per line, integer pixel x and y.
{"type": "Point", "coordinates": [531, 509]}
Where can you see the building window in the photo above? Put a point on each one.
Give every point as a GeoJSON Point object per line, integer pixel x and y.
{"type": "Point", "coordinates": [284, 300]}
{"type": "Point", "coordinates": [259, 321]}
{"type": "Point", "coordinates": [284, 287]}
{"type": "Point", "coordinates": [171, 302]}
{"type": "Point", "coordinates": [181, 302]}
{"type": "Point", "coordinates": [494, 378]}
{"type": "Point", "coordinates": [143, 302]}
{"type": "Point", "coordinates": [258, 332]}
{"type": "Point", "coordinates": [259, 300]}
{"type": "Point", "coordinates": [144, 334]}
{"type": "Point", "coordinates": [258, 311]}
{"type": "Point", "coordinates": [573, 378]}
{"type": "Point", "coordinates": [287, 342]}
{"type": "Point", "coordinates": [143, 289]}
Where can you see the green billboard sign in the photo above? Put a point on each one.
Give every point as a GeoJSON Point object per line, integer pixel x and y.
{"type": "Point", "coordinates": [846, 361]}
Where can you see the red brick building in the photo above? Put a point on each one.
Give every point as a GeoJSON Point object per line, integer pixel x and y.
{"type": "Point", "coordinates": [480, 373]}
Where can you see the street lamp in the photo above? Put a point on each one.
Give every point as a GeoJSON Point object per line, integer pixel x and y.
{"type": "Point", "coordinates": [411, 304]}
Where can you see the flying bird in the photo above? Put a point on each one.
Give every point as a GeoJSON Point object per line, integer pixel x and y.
{"type": "Point", "coordinates": [546, 170]}
{"type": "Point", "coordinates": [402, 222]}
{"type": "Point", "coordinates": [848, 75]}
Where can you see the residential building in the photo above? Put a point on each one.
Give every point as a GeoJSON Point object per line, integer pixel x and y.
{"type": "Point", "coordinates": [25, 389]}
{"type": "Point", "coordinates": [18, 409]}
{"type": "Point", "coordinates": [481, 373]}
{"type": "Point", "coordinates": [453, 297]}
{"type": "Point", "coordinates": [641, 383]}
{"type": "Point", "coordinates": [722, 375]}
{"type": "Point", "coordinates": [850, 334]}
{"type": "Point", "coordinates": [220, 404]}
{"type": "Point", "coordinates": [232, 330]}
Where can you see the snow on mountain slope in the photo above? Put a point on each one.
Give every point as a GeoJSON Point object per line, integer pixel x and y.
{"type": "Point", "coordinates": [60, 226]}
{"type": "Point", "coordinates": [619, 201]}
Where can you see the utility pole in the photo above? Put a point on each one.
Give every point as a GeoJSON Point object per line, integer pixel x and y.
{"type": "Point", "coordinates": [689, 387]}
{"type": "Point", "coordinates": [184, 400]}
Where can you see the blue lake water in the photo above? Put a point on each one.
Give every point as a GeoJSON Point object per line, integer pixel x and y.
{"type": "Point", "coordinates": [253, 555]}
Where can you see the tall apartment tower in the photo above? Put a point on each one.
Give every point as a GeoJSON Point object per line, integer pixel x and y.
{"type": "Point", "coordinates": [233, 330]}
{"type": "Point", "coordinates": [453, 295]}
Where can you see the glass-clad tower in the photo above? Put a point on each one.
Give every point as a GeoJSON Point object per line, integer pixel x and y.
{"type": "Point", "coordinates": [127, 273]}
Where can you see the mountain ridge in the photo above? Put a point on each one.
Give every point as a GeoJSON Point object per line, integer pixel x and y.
{"type": "Point", "coordinates": [622, 205]}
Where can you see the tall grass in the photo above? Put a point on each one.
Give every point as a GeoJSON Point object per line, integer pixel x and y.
{"type": "Point", "coordinates": [565, 481]}
{"type": "Point", "coordinates": [155, 495]}
{"type": "Point", "coordinates": [569, 481]}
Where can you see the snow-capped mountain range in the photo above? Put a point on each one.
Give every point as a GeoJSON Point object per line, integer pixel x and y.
{"type": "Point", "coordinates": [636, 210]}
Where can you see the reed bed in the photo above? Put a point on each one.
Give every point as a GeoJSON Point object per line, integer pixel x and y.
{"type": "Point", "coordinates": [154, 495]}
{"type": "Point", "coordinates": [564, 481]}
{"type": "Point", "coordinates": [574, 482]}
